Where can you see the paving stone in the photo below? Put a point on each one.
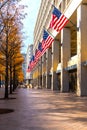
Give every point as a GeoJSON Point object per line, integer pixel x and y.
{"type": "Point", "coordinates": [43, 110]}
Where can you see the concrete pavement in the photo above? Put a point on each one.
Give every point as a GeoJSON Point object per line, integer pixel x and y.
{"type": "Point", "coordinates": [44, 110]}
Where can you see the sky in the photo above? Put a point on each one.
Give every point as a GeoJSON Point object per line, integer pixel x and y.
{"type": "Point", "coordinates": [29, 21]}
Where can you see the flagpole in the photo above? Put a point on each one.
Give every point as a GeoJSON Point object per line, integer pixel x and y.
{"type": "Point", "coordinates": [52, 35]}
{"type": "Point", "coordinates": [77, 28]}
{"type": "Point", "coordinates": [49, 32]}
{"type": "Point", "coordinates": [65, 16]}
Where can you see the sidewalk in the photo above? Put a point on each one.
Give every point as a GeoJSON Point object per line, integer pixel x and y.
{"type": "Point", "coordinates": [44, 110]}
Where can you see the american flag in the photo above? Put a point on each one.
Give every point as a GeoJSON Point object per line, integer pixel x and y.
{"type": "Point", "coordinates": [38, 51]}
{"type": "Point", "coordinates": [32, 63]}
{"type": "Point", "coordinates": [38, 55]}
{"type": "Point", "coordinates": [42, 46]}
{"type": "Point", "coordinates": [58, 20]}
{"type": "Point", "coordinates": [47, 40]}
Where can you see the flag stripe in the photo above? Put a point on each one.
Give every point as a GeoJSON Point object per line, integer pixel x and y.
{"type": "Point", "coordinates": [58, 20]}
{"type": "Point", "coordinates": [42, 47]}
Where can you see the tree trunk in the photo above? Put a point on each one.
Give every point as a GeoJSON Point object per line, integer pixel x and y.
{"type": "Point", "coordinates": [10, 75]}
{"type": "Point", "coordinates": [6, 75]}
{"type": "Point", "coordinates": [14, 78]}
{"type": "Point", "coordinates": [6, 81]}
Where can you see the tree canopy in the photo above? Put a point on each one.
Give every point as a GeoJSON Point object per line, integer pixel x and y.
{"type": "Point", "coordinates": [11, 38]}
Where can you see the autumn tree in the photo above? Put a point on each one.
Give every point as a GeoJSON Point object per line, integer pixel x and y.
{"type": "Point", "coordinates": [17, 67]}
{"type": "Point", "coordinates": [15, 62]}
{"type": "Point", "coordinates": [10, 38]}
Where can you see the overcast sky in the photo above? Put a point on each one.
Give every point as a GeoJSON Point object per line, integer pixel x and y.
{"type": "Point", "coordinates": [29, 21]}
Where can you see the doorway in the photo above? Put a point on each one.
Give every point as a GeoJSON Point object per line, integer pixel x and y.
{"type": "Point", "coordinates": [72, 80]}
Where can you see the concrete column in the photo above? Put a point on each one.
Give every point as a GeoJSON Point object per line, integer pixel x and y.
{"type": "Point", "coordinates": [81, 50]}
{"type": "Point", "coordinates": [39, 74]}
{"type": "Point", "coordinates": [65, 55]}
{"type": "Point", "coordinates": [35, 76]}
{"type": "Point", "coordinates": [48, 67]}
{"type": "Point", "coordinates": [44, 71]}
{"type": "Point", "coordinates": [55, 61]}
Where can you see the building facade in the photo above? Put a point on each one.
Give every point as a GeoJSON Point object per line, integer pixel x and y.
{"type": "Point", "coordinates": [28, 58]}
{"type": "Point", "coordinates": [64, 65]}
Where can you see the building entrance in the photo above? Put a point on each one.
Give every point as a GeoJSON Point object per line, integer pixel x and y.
{"type": "Point", "coordinates": [44, 81]}
{"type": "Point", "coordinates": [59, 82]}
{"type": "Point", "coordinates": [50, 81]}
{"type": "Point", "coordinates": [73, 80]}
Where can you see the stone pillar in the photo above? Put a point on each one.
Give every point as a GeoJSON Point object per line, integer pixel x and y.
{"type": "Point", "coordinates": [65, 55]}
{"type": "Point", "coordinates": [48, 67]}
{"type": "Point", "coordinates": [35, 76]}
{"type": "Point", "coordinates": [81, 50]}
{"type": "Point", "coordinates": [55, 61]}
{"type": "Point", "coordinates": [44, 71]}
{"type": "Point", "coordinates": [39, 74]}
